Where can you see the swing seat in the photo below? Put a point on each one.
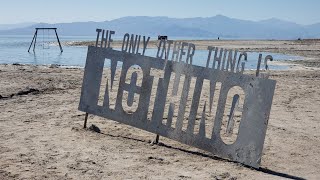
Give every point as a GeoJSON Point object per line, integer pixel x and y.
{"type": "Point", "coordinates": [46, 46]}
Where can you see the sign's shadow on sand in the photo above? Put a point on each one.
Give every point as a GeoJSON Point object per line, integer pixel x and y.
{"type": "Point", "coordinates": [261, 169]}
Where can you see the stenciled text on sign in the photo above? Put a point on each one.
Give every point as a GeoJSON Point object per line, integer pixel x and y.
{"type": "Point", "coordinates": [216, 108]}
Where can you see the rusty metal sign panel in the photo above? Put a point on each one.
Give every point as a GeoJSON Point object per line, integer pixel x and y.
{"type": "Point", "coordinates": [216, 108]}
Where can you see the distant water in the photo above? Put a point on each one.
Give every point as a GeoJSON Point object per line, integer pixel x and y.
{"type": "Point", "coordinates": [13, 49]}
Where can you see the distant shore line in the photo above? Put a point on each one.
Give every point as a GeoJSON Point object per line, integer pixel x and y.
{"type": "Point", "coordinates": [308, 48]}
{"type": "Point", "coordinates": [291, 66]}
{"type": "Point", "coordinates": [293, 47]}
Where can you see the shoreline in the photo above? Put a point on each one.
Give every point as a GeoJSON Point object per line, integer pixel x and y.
{"type": "Point", "coordinates": [292, 65]}
{"type": "Point", "coordinates": [293, 47]}
{"type": "Point", "coordinates": [310, 48]}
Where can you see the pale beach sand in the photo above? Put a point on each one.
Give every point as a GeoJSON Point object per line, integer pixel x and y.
{"type": "Point", "coordinates": [41, 134]}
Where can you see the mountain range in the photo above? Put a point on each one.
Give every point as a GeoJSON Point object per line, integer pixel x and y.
{"type": "Point", "coordinates": [15, 26]}
{"type": "Point", "coordinates": [198, 27]}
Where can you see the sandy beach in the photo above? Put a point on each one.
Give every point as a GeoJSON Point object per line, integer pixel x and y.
{"type": "Point", "coordinates": [42, 135]}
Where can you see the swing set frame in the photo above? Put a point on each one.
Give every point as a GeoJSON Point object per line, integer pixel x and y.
{"type": "Point", "coordinates": [34, 40]}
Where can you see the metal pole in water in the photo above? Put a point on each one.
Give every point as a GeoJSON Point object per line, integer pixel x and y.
{"type": "Point", "coordinates": [35, 40]}
{"type": "Point", "coordinates": [34, 36]}
{"type": "Point", "coordinates": [58, 40]}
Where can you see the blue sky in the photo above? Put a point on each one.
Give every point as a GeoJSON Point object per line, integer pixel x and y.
{"type": "Point", "coordinates": [54, 11]}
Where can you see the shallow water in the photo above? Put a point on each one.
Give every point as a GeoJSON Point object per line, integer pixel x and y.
{"type": "Point", "coordinates": [13, 49]}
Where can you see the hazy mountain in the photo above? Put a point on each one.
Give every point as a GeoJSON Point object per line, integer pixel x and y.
{"type": "Point", "coordinates": [15, 26]}
{"type": "Point", "coordinates": [313, 30]}
{"type": "Point", "coordinates": [210, 27]}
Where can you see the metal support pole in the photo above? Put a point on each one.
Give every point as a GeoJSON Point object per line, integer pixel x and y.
{"type": "Point", "coordinates": [158, 136]}
{"type": "Point", "coordinates": [34, 36]}
{"type": "Point", "coordinates": [156, 141]}
{"type": "Point", "coordinates": [85, 121]}
{"type": "Point", "coordinates": [35, 40]}
{"type": "Point", "coordinates": [58, 40]}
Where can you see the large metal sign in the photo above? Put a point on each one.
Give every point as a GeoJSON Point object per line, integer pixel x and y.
{"type": "Point", "coordinates": [200, 106]}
